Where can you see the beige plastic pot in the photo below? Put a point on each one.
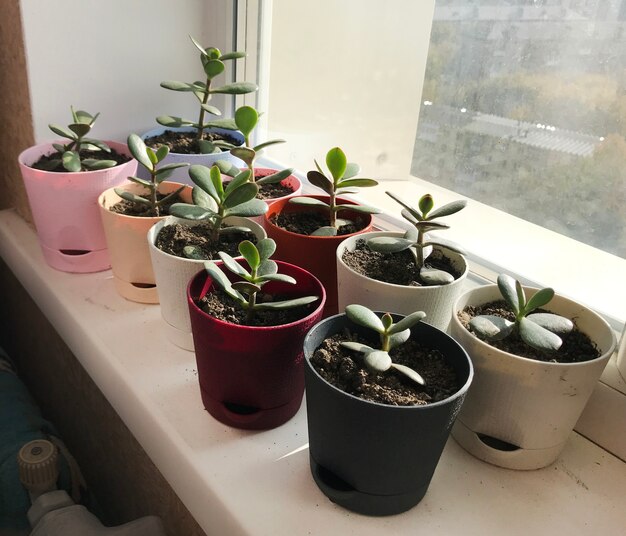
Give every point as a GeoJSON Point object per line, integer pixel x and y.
{"type": "Point", "coordinates": [435, 301]}
{"type": "Point", "coordinates": [520, 412]}
{"type": "Point", "coordinates": [173, 274]}
{"type": "Point", "coordinates": [126, 240]}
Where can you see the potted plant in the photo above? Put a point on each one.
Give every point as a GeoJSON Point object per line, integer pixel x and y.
{"type": "Point", "coordinates": [179, 244]}
{"type": "Point", "coordinates": [538, 357]}
{"type": "Point", "coordinates": [63, 180]}
{"type": "Point", "coordinates": [379, 412]}
{"type": "Point", "coordinates": [307, 229]}
{"type": "Point", "coordinates": [402, 272]}
{"type": "Point", "coordinates": [272, 184]}
{"type": "Point", "coordinates": [128, 213]}
{"type": "Point", "coordinates": [201, 141]}
{"type": "Point", "coordinates": [248, 328]}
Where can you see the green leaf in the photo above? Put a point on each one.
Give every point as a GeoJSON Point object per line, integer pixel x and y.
{"type": "Point", "coordinates": [237, 88]}
{"type": "Point", "coordinates": [194, 253]}
{"type": "Point", "coordinates": [446, 244]}
{"type": "Point", "coordinates": [275, 177]}
{"type": "Point", "coordinates": [213, 68]}
{"type": "Point", "coordinates": [174, 85]}
{"type": "Point", "coordinates": [357, 347]}
{"type": "Point", "coordinates": [414, 213]}
{"type": "Point", "coordinates": [265, 144]}
{"type": "Point", "coordinates": [137, 148]}
{"type": "Point", "coordinates": [389, 244]}
{"type": "Point", "coordinates": [201, 177]}
{"type": "Point", "coordinates": [426, 204]}
{"type": "Point", "coordinates": [198, 46]}
{"type": "Point", "coordinates": [92, 164]}
{"type": "Point", "coordinates": [203, 199]}
{"type": "Point", "coordinates": [227, 168]}
{"type": "Point", "coordinates": [428, 225]}
{"type": "Point", "coordinates": [398, 339]}
{"type": "Point", "coordinates": [71, 161]}
{"type": "Point", "coordinates": [191, 212]}
{"type": "Point", "coordinates": [211, 109]}
{"type": "Point", "coordinates": [336, 163]}
{"type": "Point", "coordinates": [228, 124]}
{"type": "Point", "coordinates": [327, 230]}
{"type": "Point", "coordinates": [207, 147]}
{"type": "Point", "coordinates": [287, 304]}
{"type": "Point", "coordinates": [213, 53]}
{"type": "Point", "coordinates": [267, 267]}
{"type": "Point", "coordinates": [283, 278]}
{"type": "Point", "coordinates": [539, 299]}
{"type": "Point", "coordinates": [142, 182]}
{"type": "Point", "coordinates": [235, 229]}
{"type": "Point", "coordinates": [80, 129]}
{"type": "Point", "coordinates": [151, 155]}
{"type": "Point", "coordinates": [432, 276]}
{"type": "Point", "coordinates": [521, 297]}
{"type": "Point", "coordinates": [266, 248]}
{"type": "Point", "coordinates": [538, 337]}
{"type": "Point", "coordinates": [162, 152]}
{"type": "Point", "coordinates": [244, 153]}
{"type": "Point", "coordinates": [216, 179]}
{"type": "Point", "coordinates": [352, 170]}
{"type": "Point", "coordinates": [356, 183]}
{"type": "Point", "coordinates": [171, 121]}
{"type": "Point", "coordinates": [249, 252]}
{"type": "Point", "coordinates": [168, 168]}
{"type": "Point", "coordinates": [554, 323]}
{"type": "Point", "coordinates": [387, 321]}
{"type": "Point", "coordinates": [252, 208]}
{"type": "Point", "coordinates": [359, 208]}
{"type": "Point", "coordinates": [241, 195]}
{"type": "Point", "coordinates": [364, 317]}
{"type": "Point", "coordinates": [95, 143]}
{"type": "Point", "coordinates": [233, 265]}
{"type": "Point", "coordinates": [407, 322]}
{"type": "Point", "coordinates": [377, 360]}
{"type": "Point", "coordinates": [50, 164]}
{"type": "Point", "coordinates": [321, 181]}
{"type": "Point", "coordinates": [131, 197]}
{"type": "Point", "coordinates": [506, 284]}
{"type": "Point", "coordinates": [449, 209]}
{"type": "Point", "coordinates": [247, 287]}
{"type": "Point", "coordinates": [409, 373]}
{"type": "Point", "coordinates": [219, 279]}
{"type": "Point", "coordinates": [301, 200]}
{"type": "Point", "coordinates": [232, 55]}
{"type": "Point", "coordinates": [246, 118]}
{"type": "Point", "coordinates": [491, 327]}
{"type": "Point", "coordinates": [81, 116]}
{"type": "Point", "coordinates": [237, 182]}
{"type": "Point", "coordinates": [59, 148]}
{"type": "Point", "coordinates": [62, 132]}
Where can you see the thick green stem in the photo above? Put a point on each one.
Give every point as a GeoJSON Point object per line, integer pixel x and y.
{"type": "Point", "coordinates": [205, 99]}
{"type": "Point", "coordinates": [419, 249]}
{"type": "Point", "coordinates": [384, 338]}
{"type": "Point", "coordinates": [251, 304]}
{"type": "Point", "coordinates": [154, 190]}
{"type": "Point", "coordinates": [333, 213]}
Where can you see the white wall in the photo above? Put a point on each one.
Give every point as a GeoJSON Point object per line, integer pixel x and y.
{"type": "Point", "coordinates": [109, 56]}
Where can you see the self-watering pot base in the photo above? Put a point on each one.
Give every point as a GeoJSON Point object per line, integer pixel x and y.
{"type": "Point", "coordinates": [503, 454]}
{"type": "Point", "coordinates": [136, 292]}
{"type": "Point", "coordinates": [346, 496]}
{"type": "Point", "coordinates": [180, 337]}
{"type": "Point", "coordinates": [248, 418]}
{"type": "Point", "coordinates": [77, 262]}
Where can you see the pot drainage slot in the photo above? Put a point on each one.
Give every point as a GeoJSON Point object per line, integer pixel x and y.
{"type": "Point", "coordinates": [496, 443]}
{"type": "Point", "coordinates": [75, 252]}
{"type": "Point", "coordinates": [331, 480]}
{"type": "Point", "coordinates": [143, 285]}
{"type": "Point", "coordinates": [241, 409]}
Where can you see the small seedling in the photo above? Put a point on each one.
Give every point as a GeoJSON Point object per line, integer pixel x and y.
{"type": "Point", "coordinates": [246, 119]}
{"type": "Point", "coordinates": [391, 336]}
{"type": "Point", "coordinates": [342, 182]}
{"type": "Point", "coordinates": [213, 65]}
{"type": "Point", "coordinates": [539, 330]}
{"type": "Point", "coordinates": [213, 202]}
{"type": "Point", "coordinates": [69, 154]}
{"type": "Point", "coordinates": [149, 159]}
{"type": "Point", "coordinates": [422, 220]}
{"type": "Point", "coordinates": [262, 270]}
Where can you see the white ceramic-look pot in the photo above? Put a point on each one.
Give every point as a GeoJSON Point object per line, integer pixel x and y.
{"type": "Point", "coordinates": [519, 412]}
{"type": "Point", "coordinates": [621, 355]}
{"type": "Point", "coordinates": [435, 301]}
{"type": "Point", "coordinates": [182, 174]}
{"type": "Point", "coordinates": [126, 239]}
{"type": "Point", "coordinates": [172, 275]}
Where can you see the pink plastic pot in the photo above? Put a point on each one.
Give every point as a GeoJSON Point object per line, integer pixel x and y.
{"type": "Point", "coordinates": [65, 210]}
{"type": "Point", "coordinates": [313, 253]}
{"type": "Point", "coordinates": [252, 377]}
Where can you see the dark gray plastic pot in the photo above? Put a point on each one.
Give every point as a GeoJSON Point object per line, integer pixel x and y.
{"type": "Point", "coordinates": [372, 458]}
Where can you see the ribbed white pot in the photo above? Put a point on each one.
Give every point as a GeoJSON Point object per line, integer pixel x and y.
{"type": "Point", "coordinates": [621, 355]}
{"type": "Point", "coordinates": [520, 412]}
{"type": "Point", "coordinates": [435, 301]}
{"type": "Point", "coordinates": [172, 275]}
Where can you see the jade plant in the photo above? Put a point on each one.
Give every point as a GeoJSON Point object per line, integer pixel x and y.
{"type": "Point", "coordinates": [422, 220]}
{"type": "Point", "coordinates": [539, 330]}
{"type": "Point", "coordinates": [342, 181]}
{"type": "Point", "coordinates": [69, 153]}
{"type": "Point", "coordinates": [149, 159]}
{"type": "Point", "coordinates": [262, 270]}
{"type": "Point", "coordinates": [213, 65]}
{"type": "Point", "coordinates": [212, 202]}
{"type": "Point", "coordinates": [391, 336]}
{"type": "Point", "coordinates": [246, 119]}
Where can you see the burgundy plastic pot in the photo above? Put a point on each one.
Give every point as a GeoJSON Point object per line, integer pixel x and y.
{"type": "Point", "coordinates": [252, 377]}
{"type": "Point", "coordinates": [374, 458]}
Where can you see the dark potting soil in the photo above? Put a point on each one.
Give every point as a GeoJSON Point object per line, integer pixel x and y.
{"type": "Point", "coordinates": [84, 154]}
{"type": "Point", "coordinates": [345, 370]}
{"type": "Point", "coordinates": [128, 208]}
{"type": "Point", "coordinates": [577, 347]}
{"type": "Point", "coordinates": [271, 191]}
{"type": "Point", "coordinates": [220, 305]}
{"type": "Point", "coordinates": [185, 142]}
{"type": "Point", "coordinates": [397, 268]}
{"type": "Point", "coordinates": [305, 223]}
{"type": "Point", "coordinates": [173, 238]}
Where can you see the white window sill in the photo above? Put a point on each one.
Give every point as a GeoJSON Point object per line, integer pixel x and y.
{"type": "Point", "coordinates": [236, 482]}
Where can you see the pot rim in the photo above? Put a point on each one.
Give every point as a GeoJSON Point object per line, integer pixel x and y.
{"type": "Point", "coordinates": [355, 236]}
{"type": "Point", "coordinates": [424, 407]}
{"type": "Point", "coordinates": [260, 329]}
{"type": "Point", "coordinates": [484, 346]}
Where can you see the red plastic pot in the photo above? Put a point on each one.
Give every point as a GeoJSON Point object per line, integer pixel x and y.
{"type": "Point", "coordinates": [252, 377]}
{"type": "Point", "coordinates": [313, 253]}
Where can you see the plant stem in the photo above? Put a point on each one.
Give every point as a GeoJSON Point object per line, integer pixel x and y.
{"type": "Point", "coordinates": [419, 249]}
{"type": "Point", "coordinates": [251, 304]}
{"type": "Point", "coordinates": [205, 99]}
{"type": "Point", "coordinates": [333, 214]}
{"type": "Point", "coordinates": [384, 339]}
{"type": "Point", "coordinates": [154, 190]}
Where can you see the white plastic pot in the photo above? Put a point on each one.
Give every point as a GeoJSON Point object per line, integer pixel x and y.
{"type": "Point", "coordinates": [520, 412]}
{"type": "Point", "coordinates": [172, 274]}
{"type": "Point", "coordinates": [621, 355]}
{"type": "Point", "coordinates": [436, 301]}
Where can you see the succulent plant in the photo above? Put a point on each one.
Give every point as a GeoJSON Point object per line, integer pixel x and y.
{"type": "Point", "coordinates": [246, 119]}
{"type": "Point", "coordinates": [69, 155]}
{"type": "Point", "coordinates": [539, 330]}
{"type": "Point", "coordinates": [342, 182]}
{"type": "Point", "coordinates": [262, 270]}
{"type": "Point", "coordinates": [391, 336]}
{"type": "Point", "coordinates": [421, 219]}
{"type": "Point", "coordinates": [213, 65]}
{"type": "Point", "coordinates": [212, 202]}
{"type": "Point", "coordinates": [149, 159]}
